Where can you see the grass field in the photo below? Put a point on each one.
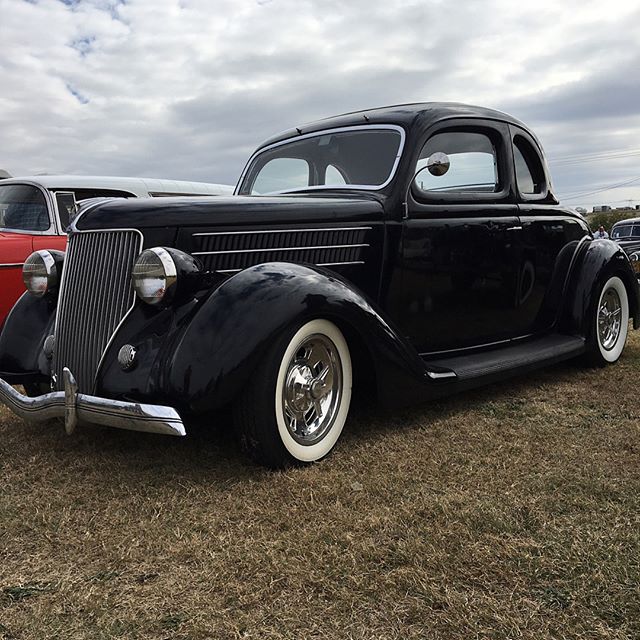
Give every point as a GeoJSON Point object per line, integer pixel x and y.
{"type": "Point", "coordinates": [509, 512]}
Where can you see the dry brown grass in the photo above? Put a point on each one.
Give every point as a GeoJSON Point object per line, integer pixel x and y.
{"type": "Point", "coordinates": [511, 512]}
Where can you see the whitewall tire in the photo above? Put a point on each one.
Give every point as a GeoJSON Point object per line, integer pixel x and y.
{"type": "Point", "coordinates": [609, 323]}
{"type": "Point", "coordinates": [297, 402]}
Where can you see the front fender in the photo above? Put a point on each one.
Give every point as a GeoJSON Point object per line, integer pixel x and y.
{"type": "Point", "coordinates": [599, 260]}
{"type": "Point", "coordinates": [223, 344]}
{"type": "Point", "coordinates": [25, 329]}
{"type": "Point", "coordinates": [204, 360]}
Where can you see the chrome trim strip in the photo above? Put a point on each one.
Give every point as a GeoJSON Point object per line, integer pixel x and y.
{"type": "Point", "coordinates": [366, 127]}
{"type": "Point", "coordinates": [7, 265]}
{"type": "Point", "coordinates": [49, 232]}
{"type": "Point", "coordinates": [272, 249]}
{"type": "Point", "coordinates": [235, 233]}
{"type": "Point", "coordinates": [133, 416]}
{"type": "Point", "coordinates": [319, 264]}
{"type": "Point", "coordinates": [441, 375]}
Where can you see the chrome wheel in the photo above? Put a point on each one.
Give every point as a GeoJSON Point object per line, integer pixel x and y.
{"type": "Point", "coordinates": [312, 391]}
{"type": "Point", "coordinates": [609, 319]}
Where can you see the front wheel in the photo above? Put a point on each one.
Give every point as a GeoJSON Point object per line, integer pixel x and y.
{"type": "Point", "coordinates": [297, 401]}
{"type": "Point", "coordinates": [609, 324]}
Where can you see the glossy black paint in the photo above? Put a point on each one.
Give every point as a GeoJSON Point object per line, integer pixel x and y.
{"type": "Point", "coordinates": [26, 328]}
{"type": "Point", "coordinates": [199, 369]}
{"type": "Point", "coordinates": [597, 261]}
{"type": "Point", "coordinates": [437, 274]}
{"type": "Point", "coordinates": [222, 212]}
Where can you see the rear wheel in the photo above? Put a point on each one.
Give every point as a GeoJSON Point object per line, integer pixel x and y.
{"type": "Point", "coordinates": [609, 323]}
{"type": "Point", "coordinates": [296, 404]}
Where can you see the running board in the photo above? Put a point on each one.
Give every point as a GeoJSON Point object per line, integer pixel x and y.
{"type": "Point", "coordinates": [496, 363]}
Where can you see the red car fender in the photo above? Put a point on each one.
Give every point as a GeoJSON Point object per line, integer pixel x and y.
{"type": "Point", "coordinates": [15, 248]}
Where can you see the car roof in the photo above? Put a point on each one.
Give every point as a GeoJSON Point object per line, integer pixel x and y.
{"type": "Point", "coordinates": [627, 221]}
{"type": "Point", "coordinates": [137, 186]}
{"type": "Point", "coordinates": [403, 115]}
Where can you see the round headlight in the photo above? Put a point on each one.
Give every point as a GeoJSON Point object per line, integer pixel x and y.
{"type": "Point", "coordinates": [40, 272]}
{"type": "Point", "coordinates": [154, 275]}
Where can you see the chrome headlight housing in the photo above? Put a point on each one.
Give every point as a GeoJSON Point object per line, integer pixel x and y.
{"type": "Point", "coordinates": [41, 272]}
{"type": "Point", "coordinates": [157, 274]}
{"type": "Point", "coordinates": [635, 261]}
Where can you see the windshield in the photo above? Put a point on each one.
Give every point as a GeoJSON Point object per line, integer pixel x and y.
{"type": "Point", "coordinates": [626, 231]}
{"type": "Point", "coordinates": [23, 207]}
{"type": "Point", "coordinates": [362, 158]}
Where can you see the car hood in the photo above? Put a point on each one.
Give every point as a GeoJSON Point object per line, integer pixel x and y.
{"type": "Point", "coordinates": [629, 244]}
{"type": "Point", "coordinates": [144, 213]}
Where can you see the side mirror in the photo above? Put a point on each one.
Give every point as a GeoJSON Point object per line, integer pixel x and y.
{"type": "Point", "coordinates": [438, 163]}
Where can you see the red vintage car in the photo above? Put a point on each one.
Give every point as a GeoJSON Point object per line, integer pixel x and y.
{"type": "Point", "coordinates": [35, 211]}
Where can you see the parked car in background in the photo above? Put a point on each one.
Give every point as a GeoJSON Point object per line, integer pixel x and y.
{"type": "Point", "coordinates": [627, 234]}
{"type": "Point", "coordinates": [413, 251]}
{"type": "Point", "coordinates": [35, 211]}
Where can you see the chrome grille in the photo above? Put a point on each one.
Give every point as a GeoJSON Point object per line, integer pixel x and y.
{"type": "Point", "coordinates": [96, 294]}
{"type": "Point", "coordinates": [229, 251]}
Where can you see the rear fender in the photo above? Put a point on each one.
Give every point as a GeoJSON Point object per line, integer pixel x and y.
{"type": "Point", "coordinates": [599, 260]}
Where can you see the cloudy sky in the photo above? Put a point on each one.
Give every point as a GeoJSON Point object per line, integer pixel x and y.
{"type": "Point", "coordinates": [186, 89]}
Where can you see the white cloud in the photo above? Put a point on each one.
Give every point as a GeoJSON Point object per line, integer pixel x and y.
{"type": "Point", "coordinates": [186, 89]}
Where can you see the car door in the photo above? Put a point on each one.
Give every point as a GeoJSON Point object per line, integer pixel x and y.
{"type": "Point", "coordinates": [548, 239]}
{"type": "Point", "coordinates": [459, 240]}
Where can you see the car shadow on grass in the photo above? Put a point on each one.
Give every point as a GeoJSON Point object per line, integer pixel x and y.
{"type": "Point", "coordinates": [210, 452]}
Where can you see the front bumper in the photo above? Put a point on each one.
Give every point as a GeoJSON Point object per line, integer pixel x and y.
{"type": "Point", "coordinates": [77, 408]}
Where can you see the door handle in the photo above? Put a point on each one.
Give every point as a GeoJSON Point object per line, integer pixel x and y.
{"type": "Point", "coordinates": [514, 228]}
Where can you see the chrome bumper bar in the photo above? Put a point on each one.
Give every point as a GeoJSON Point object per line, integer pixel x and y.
{"type": "Point", "coordinates": [77, 407]}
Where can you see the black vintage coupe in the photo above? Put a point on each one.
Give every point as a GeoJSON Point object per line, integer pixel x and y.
{"type": "Point", "coordinates": [414, 250]}
{"type": "Point", "coordinates": [627, 234]}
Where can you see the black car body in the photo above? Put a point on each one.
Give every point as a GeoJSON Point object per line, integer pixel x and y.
{"type": "Point", "coordinates": [346, 267]}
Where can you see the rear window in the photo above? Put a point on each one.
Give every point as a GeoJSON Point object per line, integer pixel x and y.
{"type": "Point", "coordinates": [23, 208]}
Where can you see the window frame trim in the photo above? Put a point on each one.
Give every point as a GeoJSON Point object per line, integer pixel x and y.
{"type": "Point", "coordinates": [52, 230]}
{"type": "Point", "coordinates": [516, 131]}
{"type": "Point", "coordinates": [494, 130]}
{"type": "Point", "coordinates": [315, 134]}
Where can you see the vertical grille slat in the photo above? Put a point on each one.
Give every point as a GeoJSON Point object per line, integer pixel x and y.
{"type": "Point", "coordinates": [95, 295]}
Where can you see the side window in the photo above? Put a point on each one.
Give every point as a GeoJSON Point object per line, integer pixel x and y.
{"type": "Point", "coordinates": [24, 208]}
{"type": "Point", "coordinates": [473, 165]}
{"type": "Point", "coordinates": [281, 174]}
{"type": "Point", "coordinates": [332, 176]}
{"type": "Point", "coordinates": [529, 172]}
